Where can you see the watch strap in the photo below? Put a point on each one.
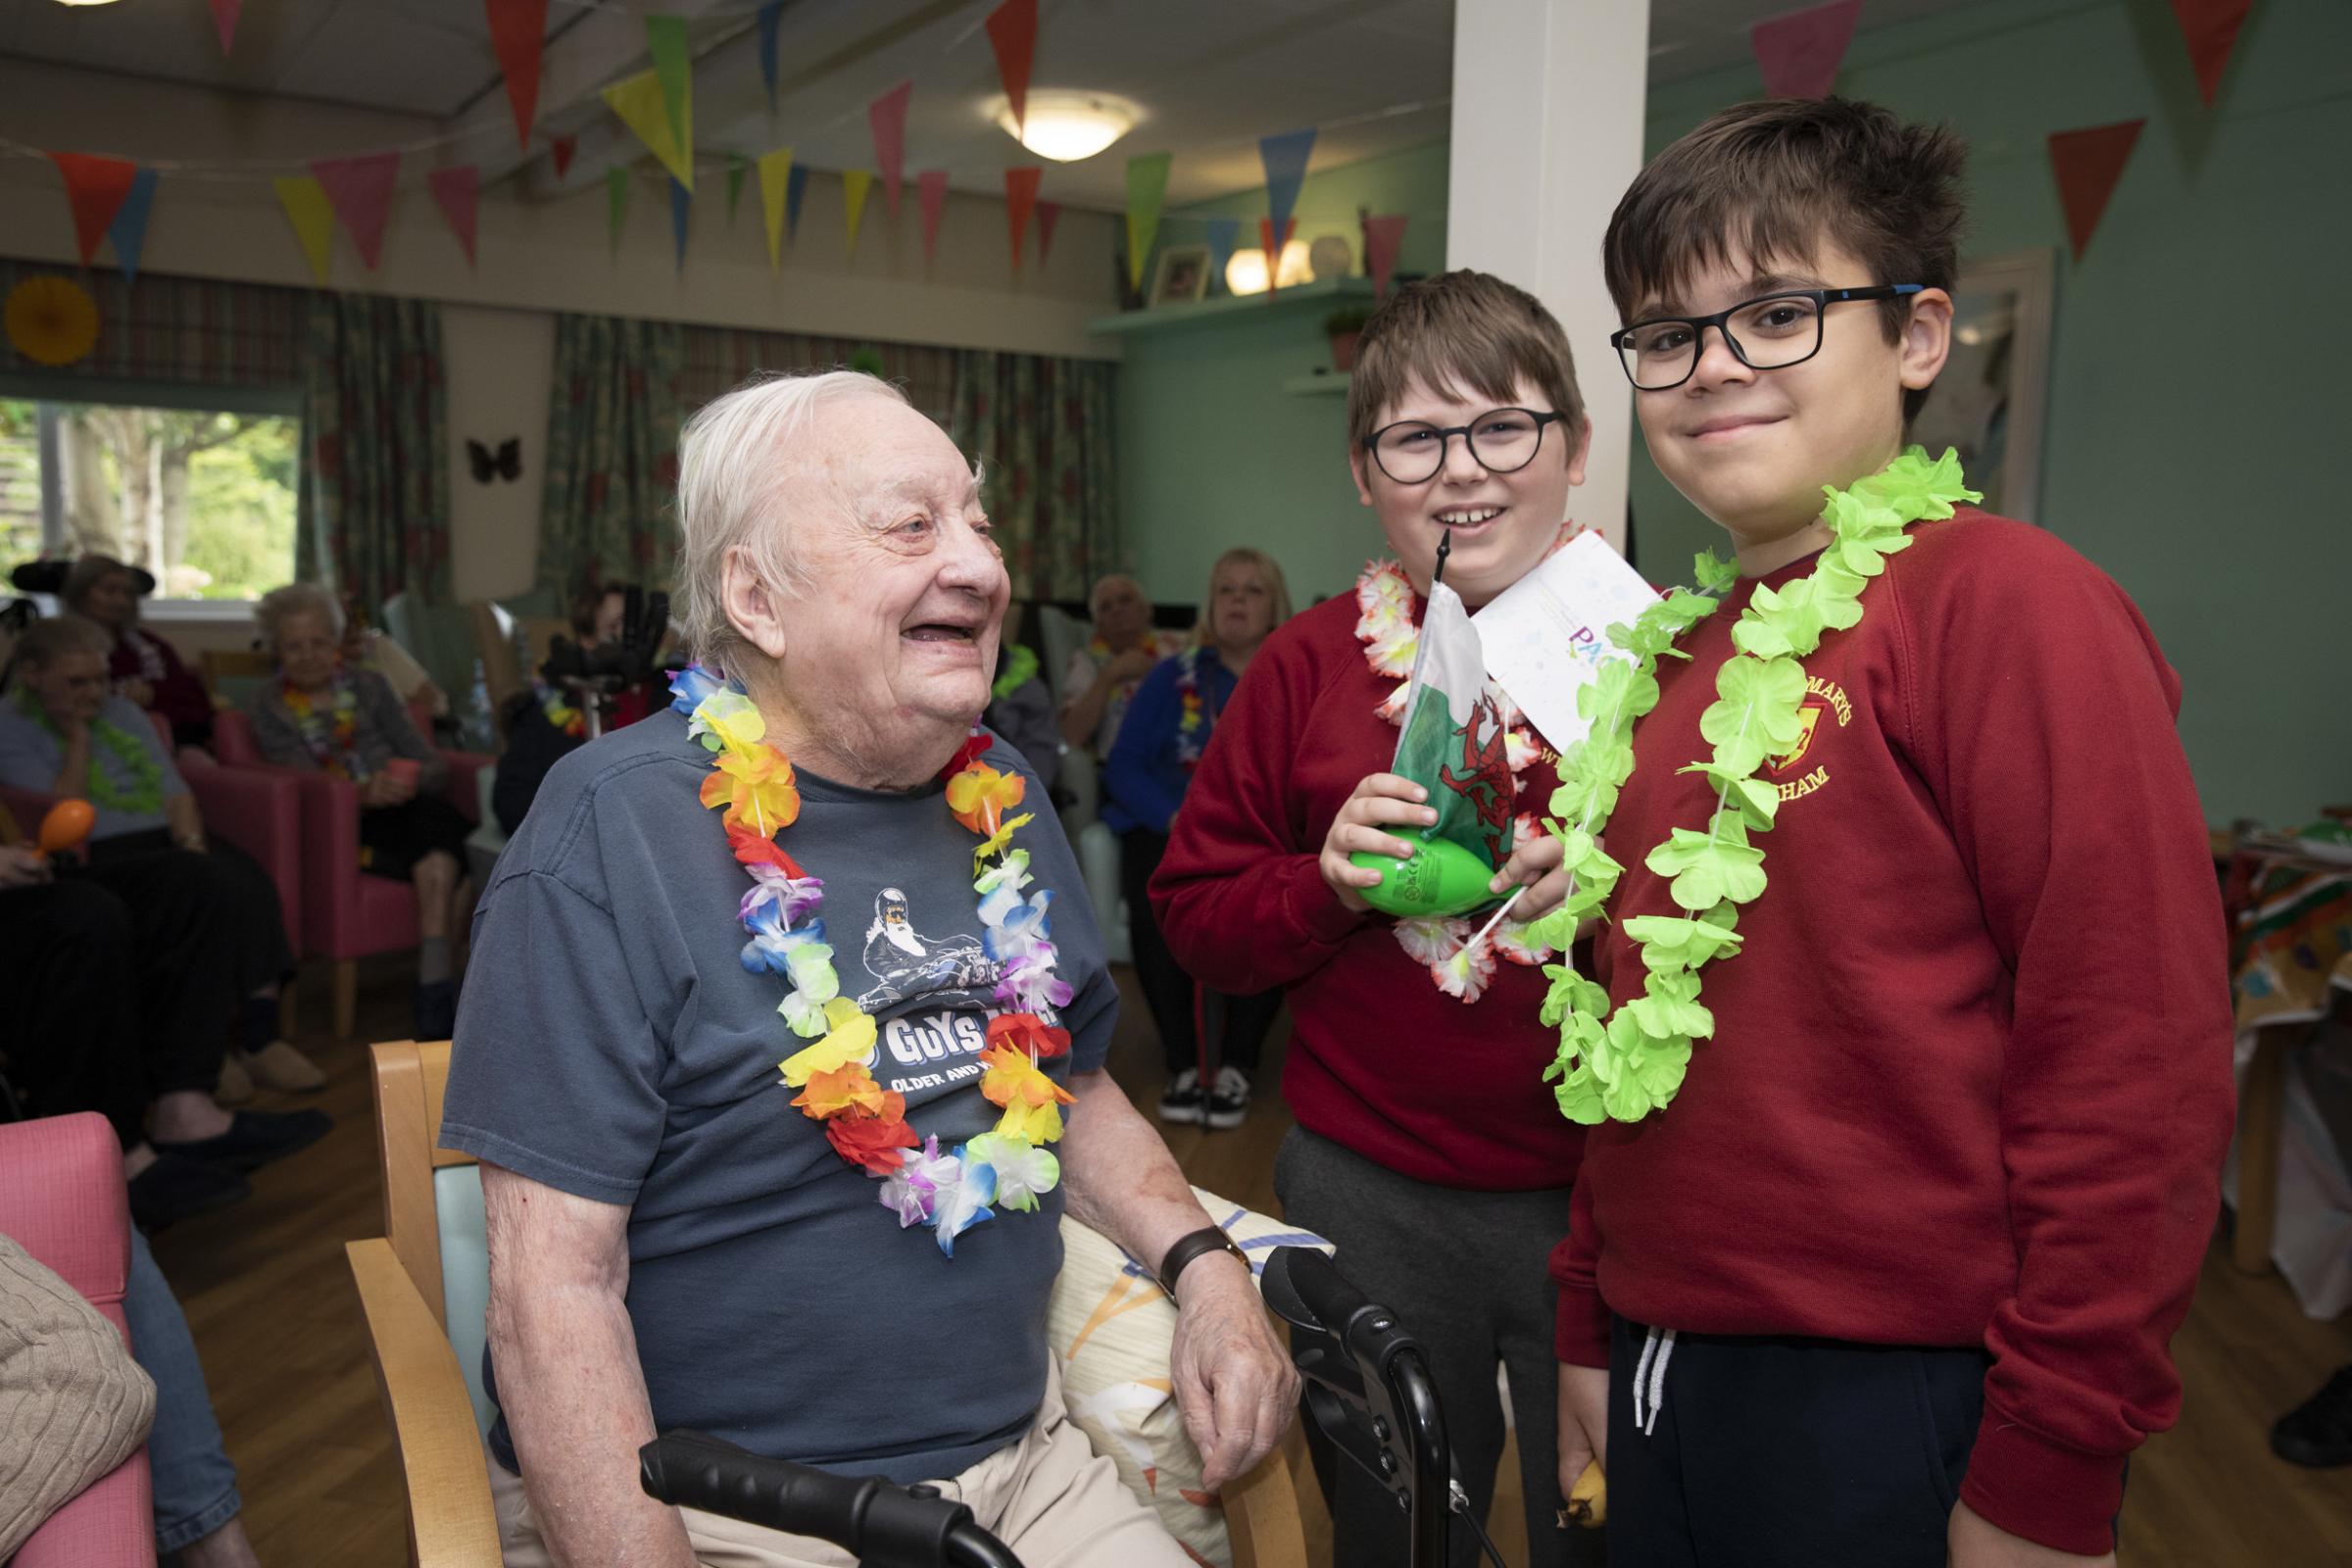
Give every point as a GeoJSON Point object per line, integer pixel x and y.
{"type": "Point", "coordinates": [1194, 1245]}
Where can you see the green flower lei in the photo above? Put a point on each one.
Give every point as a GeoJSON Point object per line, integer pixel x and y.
{"type": "Point", "coordinates": [145, 797]}
{"type": "Point", "coordinates": [1020, 666]}
{"type": "Point", "coordinates": [1623, 1064]}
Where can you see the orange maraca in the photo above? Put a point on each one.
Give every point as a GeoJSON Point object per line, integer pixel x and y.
{"type": "Point", "coordinates": [68, 823]}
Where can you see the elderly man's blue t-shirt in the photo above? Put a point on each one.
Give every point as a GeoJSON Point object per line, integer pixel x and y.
{"type": "Point", "coordinates": [611, 1045]}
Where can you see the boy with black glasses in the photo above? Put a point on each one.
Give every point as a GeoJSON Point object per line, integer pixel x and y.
{"type": "Point", "coordinates": [1884, 1226]}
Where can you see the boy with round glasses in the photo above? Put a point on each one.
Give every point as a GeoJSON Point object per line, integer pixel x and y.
{"type": "Point", "coordinates": [1883, 1229]}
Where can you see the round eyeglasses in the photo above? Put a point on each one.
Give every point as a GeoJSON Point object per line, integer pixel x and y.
{"type": "Point", "coordinates": [1502, 440]}
{"type": "Point", "coordinates": [1770, 333]}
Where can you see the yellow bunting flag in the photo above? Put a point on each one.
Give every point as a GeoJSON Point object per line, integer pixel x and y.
{"type": "Point", "coordinates": [775, 179]}
{"type": "Point", "coordinates": [641, 107]}
{"type": "Point", "coordinates": [854, 183]}
{"type": "Point", "coordinates": [313, 217]}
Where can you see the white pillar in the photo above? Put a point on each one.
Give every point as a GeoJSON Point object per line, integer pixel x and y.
{"type": "Point", "coordinates": [1547, 106]}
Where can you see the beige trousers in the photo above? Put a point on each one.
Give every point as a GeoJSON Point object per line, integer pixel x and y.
{"type": "Point", "coordinates": [1049, 1497]}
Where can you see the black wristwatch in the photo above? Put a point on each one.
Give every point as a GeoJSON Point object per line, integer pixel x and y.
{"type": "Point", "coordinates": [1199, 1243]}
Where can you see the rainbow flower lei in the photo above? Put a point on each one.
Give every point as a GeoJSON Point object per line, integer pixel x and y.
{"type": "Point", "coordinates": [1624, 1064]}
{"type": "Point", "coordinates": [1007, 1166]}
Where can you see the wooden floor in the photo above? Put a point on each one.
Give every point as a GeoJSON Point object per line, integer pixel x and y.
{"type": "Point", "coordinates": [277, 1323]}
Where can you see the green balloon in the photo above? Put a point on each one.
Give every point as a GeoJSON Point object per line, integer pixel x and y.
{"type": "Point", "coordinates": [1442, 879]}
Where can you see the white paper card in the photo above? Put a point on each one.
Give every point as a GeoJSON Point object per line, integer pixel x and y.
{"type": "Point", "coordinates": [1545, 636]}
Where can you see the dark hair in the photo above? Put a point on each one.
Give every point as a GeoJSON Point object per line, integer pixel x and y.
{"type": "Point", "coordinates": [1775, 178]}
{"type": "Point", "coordinates": [586, 606]}
{"type": "Point", "coordinates": [1465, 326]}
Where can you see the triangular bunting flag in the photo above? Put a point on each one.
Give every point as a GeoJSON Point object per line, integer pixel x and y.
{"type": "Point", "coordinates": [1799, 51]}
{"type": "Point", "coordinates": [775, 179]}
{"type": "Point", "coordinates": [517, 29]}
{"type": "Point", "coordinates": [457, 191]}
{"type": "Point", "coordinates": [794, 189]}
{"type": "Point", "coordinates": [1048, 215]}
{"type": "Point", "coordinates": [854, 183]}
{"type": "Point", "coordinates": [313, 218]}
{"type": "Point", "coordinates": [1147, 188]}
{"type": "Point", "coordinates": [1222, 234]}
{"type": "Point", "coordinates": [360, 189]}
{"type": "Point", "coordinates": [224, 21]}
{"type": "Point", "coordinates": [617, 202]}
{"type": "Point", "coordinates": [129, 230]}
{"type": "Point", "coordinates": [1013, 34]}
{"type": "Point", "coordinates": [2210, 29]}
{"type": "Point", "coordinates": [674, 68]}
{"type": "Point", "coordinates": [95, 187]}
{"type": "Point", "coordinates": [681, 199]}
{"type": "Point", "coordinates": [1273, 248]}
{"type": "Point", "coordinates": [738, 166]}
{"type": "Point", "coordinates": [1020, 200]}
{"type": "Point", "coordinates": [770, 15]}
{"type": "Point", "coordinates": [2088, 164]}
{"type": "Point", "coordinates": [1284, 158]}
{"type": "Point", "coordinates": [1382, 239]}
{"type": "Point", "coordinates": [638, 103]}
{"type": "Point", "coordinates": [887, 114]}
{"type": "Point", "coordinates": [561, 149]}
{"type": "Point", "coordinates": [931, 195]}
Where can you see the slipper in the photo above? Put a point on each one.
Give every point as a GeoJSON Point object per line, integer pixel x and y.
{"type": "Point", "coordinates": [255, 1138]}
{"type": "Point", "coordinates": [176, 1187]}
{"type": "Point", "coordinates": [279, 1065]}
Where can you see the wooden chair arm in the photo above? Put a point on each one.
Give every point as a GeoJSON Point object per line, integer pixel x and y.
{"type": "Point", "coordinates": [451, 1521]}
{"type": "Point", "coordinates": [1262, 1514]}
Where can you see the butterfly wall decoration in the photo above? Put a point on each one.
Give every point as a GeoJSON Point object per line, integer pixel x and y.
{"type": "Point", "coordinates": [507, 465]}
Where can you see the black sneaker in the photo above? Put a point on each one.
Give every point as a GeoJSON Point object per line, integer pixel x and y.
{"type": "Point", "coordinates": [2319, 1432]}
{"type": "Point", "coordinates": [255, 1138]}
{"type": "Point", "coordinates": [176, 1187]}
{"type": "Point", "coordinates": [1182, 1099]}
{"type": "Point", "coordinates": [1229, 1101]}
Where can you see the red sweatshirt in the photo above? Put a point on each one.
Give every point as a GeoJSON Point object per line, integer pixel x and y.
{"type": "Point", "coordinates": [1381, 1060]}
{"type": "Point", "coordinates": [1970, 1082]}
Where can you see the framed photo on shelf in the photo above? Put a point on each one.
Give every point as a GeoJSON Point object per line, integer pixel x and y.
{"type": "Point", "coordinates": [1992, 397]}
{"type": "Point", "coordinates": [1183, 274]}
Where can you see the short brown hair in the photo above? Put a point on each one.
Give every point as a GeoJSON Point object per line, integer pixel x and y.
{"type": "Point", "coordinates": [1468, 328]}
{"type": "Point", "coordinates": [1774, 178]}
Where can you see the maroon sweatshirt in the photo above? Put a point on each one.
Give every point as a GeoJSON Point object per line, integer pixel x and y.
{"type": "Point", "coordinates": [1970, 1083]}
{"type": "Point", "coordinates": [1380, 1060]}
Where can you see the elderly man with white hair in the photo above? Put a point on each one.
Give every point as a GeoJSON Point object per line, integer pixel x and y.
{"type": "Point", "coordinates": [1103, 676]}
{"type": "Point", "coordinates": [737, 1178]}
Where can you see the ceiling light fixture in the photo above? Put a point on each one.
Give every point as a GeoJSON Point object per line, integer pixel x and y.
{"type": "Point", "coordinates": [1067, 124]}
{"type": "Point", "coordinates": [85, 2]}
{"type": "Point", "coordinates": [1245, 270]}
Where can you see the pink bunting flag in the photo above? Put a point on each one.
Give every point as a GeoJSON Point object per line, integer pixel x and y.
{"type": "Point", "coordinates": [931, 194]}
{"type": "Point", "coordinates": [95, 187]}
{"type": "Point", "coordinates": [562, 148]}
{"type": "Point", "coordinates": [360, 189]}
{"type": "Point", "coordinates": [1799, 51]}
{"type": "Point", "coordinates": [1048, 215]}
{"type": "Point", "coordinates": [887, 116]}
{"type": "Point", "coordinates": [1020, 200]}
{"type": "Point", "coordinates": [224, 21]}
{"type": "Point", "coordinates": [2210, 29]}
{"type": "Point", "coordinates": [457, 191]}
{"type": "Point", "coordinates": [2088, 164]}
{"type": "Point", "coordinates": [1382, 238]}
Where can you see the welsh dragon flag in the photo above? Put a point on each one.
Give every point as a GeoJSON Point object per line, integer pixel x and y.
{"type": "Point", "coordinates": [1453, 742]}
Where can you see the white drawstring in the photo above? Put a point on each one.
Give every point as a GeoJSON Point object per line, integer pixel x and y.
{"type": "Point", "coordinates": [1650, 1346]}
{"type": "Point", "coordinates": [1649, 1379]}
{"type": "Point", "coordinates": [1657, 1380]}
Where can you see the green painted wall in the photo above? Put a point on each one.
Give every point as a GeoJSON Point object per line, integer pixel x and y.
{"type": "Point", "coordinates": [2196, 392]}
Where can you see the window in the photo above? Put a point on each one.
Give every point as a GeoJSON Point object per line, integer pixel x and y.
{"type": "Point", "coordinates": [203, 497]}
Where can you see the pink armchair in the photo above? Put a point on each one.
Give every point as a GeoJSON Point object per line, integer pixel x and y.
{"type": "Point", "coordinates": [62, 1200]}
{"type": "Point", "coordinates": [347, 914]}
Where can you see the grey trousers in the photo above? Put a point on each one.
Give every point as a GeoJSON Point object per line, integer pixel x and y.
{"type": "Point", "coordinates": [1464, 1272]}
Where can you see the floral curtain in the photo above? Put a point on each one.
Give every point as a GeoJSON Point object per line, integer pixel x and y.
{"type": "Point", "coordinates": [611, 455]}
{"type": "Point", "coordinates": [1043, 430]}
{"type": "Point", "coordinates": [375, 482]}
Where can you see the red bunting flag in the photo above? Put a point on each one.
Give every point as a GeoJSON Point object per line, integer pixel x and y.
{"type": "Point", "coordinates": [887, 116]}
{"type": "Point", "coordinates": [1382, 238]}
{"type": "Point", "coordinates": [1020, 200]}
{"type": "Point", "coordinates": [1013, 34]}
{"type": "Point", "coordinates": [517, 29]}
{"type": "Point", "coordinates": [931, 192]}
{"type": "Point", "coordinates": [224, 21]}
{"type": "Point", "coordinates": [560, 148]}
{"type": "Point", "coordinates": [2210, 29]}
{"type": "Point", "coordinates": [1048, 215]}
{"type": "Point", "coordinates": [360, 189]}
{"type": "Point", "coordinates": [2088, 164]}
{"type": "Point", "coordinates": [1265, 238]}
{"type": "Point", "coordinates": [1801, 51]}
{"type": "Point", "coordinates": [457, 191]}
{"type": "Point", "coordinates": [94, 187]}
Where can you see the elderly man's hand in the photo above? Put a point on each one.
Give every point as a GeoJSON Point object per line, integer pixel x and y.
{"type": "Point", "coordinates": [1234, 1382]}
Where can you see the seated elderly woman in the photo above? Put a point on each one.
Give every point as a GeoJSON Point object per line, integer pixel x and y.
{"type": "Point", "coordinates": [61, 734]}
{"type": "Point", "coordinates": [144, 666]}
{"type": "Point", "coordinates": [843, 1260]}
{"type": "Point", "coordinates": [322, 714]}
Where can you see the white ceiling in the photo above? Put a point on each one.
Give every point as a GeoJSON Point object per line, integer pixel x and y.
{"type": "Point", "coordinates": [1212, 76]}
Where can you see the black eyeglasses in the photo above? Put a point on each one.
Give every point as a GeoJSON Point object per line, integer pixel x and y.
{"type": "Point", "coordinates": [1502, 440]}
{"type": "Point", "coordinates": [1769, 333]}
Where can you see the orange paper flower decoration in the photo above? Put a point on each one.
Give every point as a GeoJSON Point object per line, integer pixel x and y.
{"type": "Point", "coordinates": [52, 321]}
